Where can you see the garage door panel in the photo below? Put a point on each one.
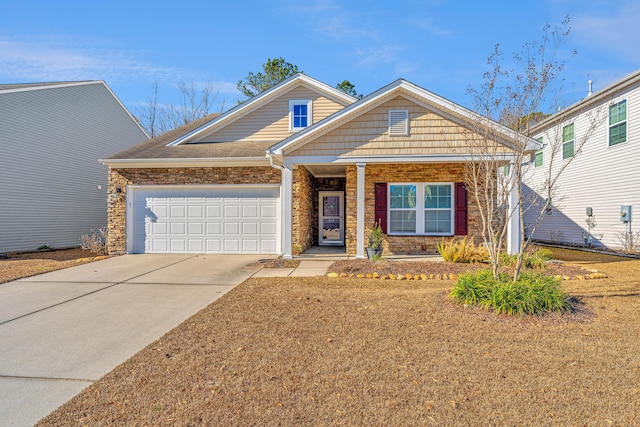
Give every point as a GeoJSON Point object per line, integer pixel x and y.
{"type": "Point", "coordinates": [213, 211]}
{"type": "Point", "coordinates": [268, 211]}
{"type": "Point", "coordinates": [232, 211]}
{"type": "Point", "coordinates": [250, 211]}
{"type": "Point", "coordinates": [231, 228]}
{"type": "Point", "coordinates": [249, 229]}
{"type": "Point", "coordinates": [205, 220]}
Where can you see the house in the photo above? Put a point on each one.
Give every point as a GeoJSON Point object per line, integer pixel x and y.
{"type": "Point", "coordinates": [298, 165]}
{"type": "Point", "coordinates": [601, 179]}
{"type": "Point", "coordinates": [53, 188]}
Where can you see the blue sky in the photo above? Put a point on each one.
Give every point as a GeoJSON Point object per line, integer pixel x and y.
{"type": "Point", "coordinates": [440, 45]}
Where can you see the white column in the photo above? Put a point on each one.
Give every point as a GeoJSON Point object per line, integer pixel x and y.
{"type": "Point", "coordinates": [513, 225]}
{"type": "Point", "coordinates": [360, 211]}
{"type": "Point", "coordinates": [287, 214]}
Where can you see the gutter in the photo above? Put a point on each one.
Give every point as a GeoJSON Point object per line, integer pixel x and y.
{"type": "Point", "coordinates": [184, 162]}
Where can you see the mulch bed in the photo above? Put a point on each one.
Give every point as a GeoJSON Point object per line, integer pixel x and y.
{"type": "Point", "coordinates": [17, 265]}
{"type": "Point", "coordinates": [437, 268]}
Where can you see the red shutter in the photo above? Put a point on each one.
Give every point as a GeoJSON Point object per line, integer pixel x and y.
{"type": "Point", "coordinates": [381, 205]}
{"type": "Point", "coordinates": [460, 216]}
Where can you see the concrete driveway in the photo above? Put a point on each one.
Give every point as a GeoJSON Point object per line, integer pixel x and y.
{"type": "Point", "coordinates": [63, 330]}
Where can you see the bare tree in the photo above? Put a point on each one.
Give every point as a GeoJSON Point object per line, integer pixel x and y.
{"type": "Point", "coordinates": [514, 98]}
{"type": "Point", "coordinates": [195, 102]}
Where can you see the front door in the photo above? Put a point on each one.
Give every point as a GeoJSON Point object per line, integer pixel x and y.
{"type": "Point", "coordinates": [331, 218]}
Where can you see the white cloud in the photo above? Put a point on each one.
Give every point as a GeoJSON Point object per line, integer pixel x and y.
{"type": "Point", "coordinates": [53, 58]}
{"type": "Point", "coordinates": [615, 30]}
{"type": "Point", "coordinates": [427, 25]}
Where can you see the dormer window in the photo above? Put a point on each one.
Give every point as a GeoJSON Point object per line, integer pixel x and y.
{"type": "Point", "coordinates": [300, 114]}
{"type": "Point", "coordinates": [399, 122]}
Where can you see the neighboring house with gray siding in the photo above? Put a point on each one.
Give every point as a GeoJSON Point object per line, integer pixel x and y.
{"type": "Point", "coordinates": [53, 189]}
{"type": "Point", "coordinates": [603, 177]}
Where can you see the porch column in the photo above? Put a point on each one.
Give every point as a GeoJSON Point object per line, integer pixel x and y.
{"type": "Point", "coordinates": [513, 225]}
{"type": "Point", "coordinates": [360, 211]}
{"type": "Point", "coordinates": [287, 211]}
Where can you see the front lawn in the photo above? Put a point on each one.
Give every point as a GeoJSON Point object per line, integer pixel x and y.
{"type": "Point", "coordinates": [341, 351]}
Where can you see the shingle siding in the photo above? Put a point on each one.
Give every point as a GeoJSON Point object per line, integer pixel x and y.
{"type": "Point", "coordinates": [51, 140]}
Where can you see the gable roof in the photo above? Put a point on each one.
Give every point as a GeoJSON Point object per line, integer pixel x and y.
{"type": "Point", "coordinates": [421, 96]}
{"type": "Point", "coordinates": [254, 103]}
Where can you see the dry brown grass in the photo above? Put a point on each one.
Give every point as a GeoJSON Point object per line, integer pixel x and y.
{"type": "Point", "coordinates": [25, 264]}
{"type": "Point", "coordinates": [321, 351]}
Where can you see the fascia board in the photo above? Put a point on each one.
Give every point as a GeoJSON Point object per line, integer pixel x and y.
{"type": "Point", "coordinates": [50, 85]}
{"type": "Point", "coordinates": [185, 162]}
{"type": "Point", "coordinates": [431, 158]}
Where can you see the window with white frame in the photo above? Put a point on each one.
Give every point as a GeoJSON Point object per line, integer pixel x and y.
{"type": "Point", "coordinates": [568, 138]}
{"type": "Point", "coordinates": [618, 123]}
{"type": "Point", "coordinates": [398, 122]}
{"type": "Point", "coordinates": [421, 209]}
{"type": "Point", "coordinates": [300, 114]}
{"type": "Point", "coordinates": [539, 156]}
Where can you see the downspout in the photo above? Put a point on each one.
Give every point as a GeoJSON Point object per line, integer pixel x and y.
{"type": "Point", "coordinates": [282, 197]}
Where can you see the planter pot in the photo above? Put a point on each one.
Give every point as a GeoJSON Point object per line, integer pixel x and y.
{"type": "Point", "coordinates": [374, 253]}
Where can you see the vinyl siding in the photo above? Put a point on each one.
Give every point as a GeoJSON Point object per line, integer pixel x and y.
{"type": "Point", "coordinates": [368, 134]}
{"type": "Point", "coordinates": [601, 177]}
{"type": "Point", "coordinates": [271, 120]}
{"type": "Point", "coordinates": [51, 140]}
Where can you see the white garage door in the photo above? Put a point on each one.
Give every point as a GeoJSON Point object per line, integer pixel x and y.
{"type": "Point", "coordinates": [229, 219]}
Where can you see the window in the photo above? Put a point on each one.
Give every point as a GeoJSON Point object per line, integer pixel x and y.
{"type": "Point", "coordinates": [398, 122]}
{"type": "Point", "coordinates": [567, 141]}
{"type": "Point", "coordinates": [539, 157]}
{"type": "Point", "coordinates": [421, 208]}
{"type": "Point", "coordinates": [300, 114]}
{"type": "Point", "coordinates": [618, 123]}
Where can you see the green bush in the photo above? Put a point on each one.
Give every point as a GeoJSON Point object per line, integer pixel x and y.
{"type": "Point", "coordinates": [463, 250]}
{"type": "Point", "coordinates": [533, 293]}
{"type": "Point", "coordinates": [535, 260]}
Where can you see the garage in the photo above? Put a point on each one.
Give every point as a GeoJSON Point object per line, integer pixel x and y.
{"type": "Point", "coordinates": [228, 219]}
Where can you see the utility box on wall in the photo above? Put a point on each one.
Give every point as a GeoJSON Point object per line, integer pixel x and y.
{"type": "Point", "coordinates": [625, 213]}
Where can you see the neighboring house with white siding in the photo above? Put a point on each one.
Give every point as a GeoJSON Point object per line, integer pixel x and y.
{"type": "Point", "coordinates": [600, 179]}
{"type": "Point", "coordinates": [52, 187]}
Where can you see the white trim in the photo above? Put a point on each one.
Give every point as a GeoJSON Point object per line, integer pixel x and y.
{"type": "Point", "coordinates": [321, 216]}
{"type": "Point", "coordinates": [418, 158]}
{"type": "Point", "coordinates": [292, 104]}
{"type": "Point", "coordinates": [185, 162]}
{"type": "Point", "coordinates": [625, 121]}
{"type": "Point", "coordinates": [420, 209]}
{"type": "Point", "coordinates": [360, 175]}
{"type": "Point", "coordinates": [286, 218]}
{"type": "Point", "coordinates": [513, 222]}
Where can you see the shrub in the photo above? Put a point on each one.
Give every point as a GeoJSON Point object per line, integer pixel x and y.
{"type": "Point", "coordinates": [536, 260]}
{"type": "Point", "coordinates": [532, 293]}
{"type": "Point", "coordinates": [463, 250]}
{"type": "Point", "coordinates": [96, 242]}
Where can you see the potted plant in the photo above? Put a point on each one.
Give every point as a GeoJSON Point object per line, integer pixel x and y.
{"type": "Point", "coordinates": [376, 240]}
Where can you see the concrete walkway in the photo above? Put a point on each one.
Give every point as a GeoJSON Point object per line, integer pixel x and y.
{"type": "Point", "coordinates": [63, 330]}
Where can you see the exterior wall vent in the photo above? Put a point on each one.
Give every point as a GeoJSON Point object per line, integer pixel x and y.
{"type": "Point", "coordinates": [399, 122]}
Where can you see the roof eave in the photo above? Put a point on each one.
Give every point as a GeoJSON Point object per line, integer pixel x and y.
{"type": "Point", "coordinates": [185, 162]}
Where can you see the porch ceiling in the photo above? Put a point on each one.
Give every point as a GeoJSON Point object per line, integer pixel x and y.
{"type": "Point", "coordinates": [326, 171]}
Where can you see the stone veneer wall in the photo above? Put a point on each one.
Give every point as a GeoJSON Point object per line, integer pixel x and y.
{"type": "Point", "coordinates": [302, 210]}
{"type": "Point", "coordinates": [117, 207]}
{"type": "Point", "coordinates": [444, 172]}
